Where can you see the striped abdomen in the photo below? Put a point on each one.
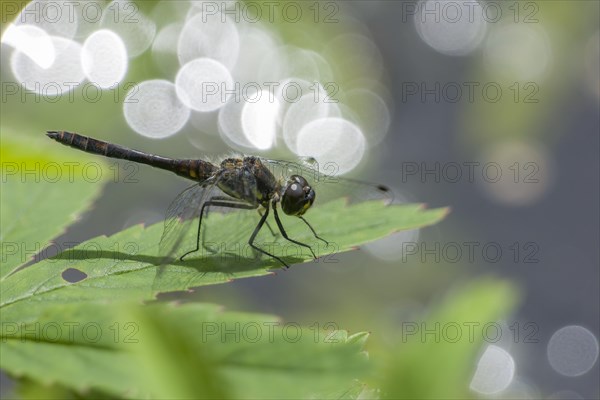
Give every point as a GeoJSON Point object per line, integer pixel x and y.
{"type": "Point", "coordinates": [196, 170]}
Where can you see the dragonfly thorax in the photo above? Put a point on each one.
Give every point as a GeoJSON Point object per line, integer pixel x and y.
{"type": "Point", "coordinates": [248, 180]}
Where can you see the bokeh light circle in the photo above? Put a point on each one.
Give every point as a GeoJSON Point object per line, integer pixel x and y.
{"type": "Point", "coordinates": [104, 58]}
{"type": "Point", "coordinates": [125, 19]}
{"type": "Point", "coordinates": [153, 109]}
{"type": "Point", "coordinates": [495, 371]}
{"type": "Point", "coordinates": [255, 45]}
{"type": "Point", "coordinates": [32, 41]}
{"type": "Point", "coordinates": [259, 120]}
{"type": "Point", "coordinates": [230, 125]}
{"type": "Point", "coordinates": [209, 35]}
{"type": "Point", "coordinates": [572, 350]}
{"type": "Point", "coordinates": [250, 124]}
{"type": "Point", "coordinates": [450, 27]}
{"type": "Point", "coordinates": [203, 84]}
{"type": "Point", "coordinates": [299, 112]}
{"type": "Point", "coordinates": [332, 140]}
{"type": "Point", "coordinates": [62, 76]}
{"type": "Point", "coordinates": [57, 18]}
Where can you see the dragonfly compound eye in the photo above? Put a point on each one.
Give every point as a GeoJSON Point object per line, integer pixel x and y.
{"type": "Point", "coordinates": [297, 197]}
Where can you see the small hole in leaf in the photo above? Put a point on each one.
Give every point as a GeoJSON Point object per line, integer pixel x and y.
{"type": "Point", "coordinates": [73, 275]}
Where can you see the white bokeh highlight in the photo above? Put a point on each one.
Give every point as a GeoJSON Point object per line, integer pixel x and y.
{"type": "Point", "coordinates": [298, 113]}
{"type": "Point", "coordinates": [125, 18]}
{"type": "Point", "coordinates": [203, 84]}
{"type": "Point", "coordinates": [255, 45]}
{"type": "Point", "coordinates": [32, 41]}
{"type": "Point", "coordinates": [288, 92]}
{"type": "Point", "coordinates": [62, 76]}
{"type": "Point", "coordinates": [259, 120]}
{"type": "Point", "coordinates": [230, 125]}
{"type": "Point", "coordinates": [572, 350]}
{"type": "Point", "coordinates": [495, 371]}
{"type": "Point", "coordinates": [207, 35]}
{"type": "Point", "coordinates": [450, 27]}
{"type": "Point", "coordinates": [154, 110]}
{"type": "Point", "coordinates": [104, 58]}
{"type": "Point", "coordinates": [57, 18]}
{"type": "Point", "coordinates": [332, 141]}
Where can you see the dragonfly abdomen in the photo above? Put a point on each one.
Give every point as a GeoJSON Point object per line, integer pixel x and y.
{"type": "Point", "coordinates": [197, 170]}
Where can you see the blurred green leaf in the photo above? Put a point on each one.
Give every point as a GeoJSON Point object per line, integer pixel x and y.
{"type": "Point", "coordinates": [247, 356]}
{"type": "Point", "coordinates": [123, 266]}
{"type": "Point", "coordinates": [429, 364]}
{"type": "Point", "coordinates": [180, 351]}
{"type": "Point", "coordinates": [43, 191]}
{"type": "Point", "coordinates": [77, 346]}
{"type": "Point", "coordinates": [174, 363]}
{"type": "Point", "coordinates": [29, 389]}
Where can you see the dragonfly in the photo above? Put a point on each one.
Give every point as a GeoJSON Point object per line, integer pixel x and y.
{"type": "Point", "coordinates": [236, 183]}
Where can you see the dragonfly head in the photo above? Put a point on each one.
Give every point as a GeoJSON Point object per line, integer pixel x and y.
{"type": "Point", "coordinates": [297, 197]}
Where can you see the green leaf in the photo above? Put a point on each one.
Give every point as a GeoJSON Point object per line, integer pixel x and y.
{"type": "Point", "coordinates": [79, 367]}
{"type": "Point", "coordinates": [124, 266]}
{"type": "Point", "coordinates": [28, 389]}
{"type": "Point", "coordinates": [432, 361]}
{"type": "Point", "coordinates": [44, 189]}
{"type": "Point", "coordinates": [76, 346]}
{"type": "Point", "coordinates": [180, 351]}
{"type": "Point", "coordinates": [176, 364]}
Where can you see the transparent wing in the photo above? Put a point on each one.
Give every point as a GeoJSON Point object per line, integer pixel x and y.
{"type": "Point", "coordinates": [220, 246]}
{"type": "Point", "coordinates": [180, 233]}
{"type": "Point", "coordinates": [182, 216]}
{"type": "Point", "coordinates": [327, 184]}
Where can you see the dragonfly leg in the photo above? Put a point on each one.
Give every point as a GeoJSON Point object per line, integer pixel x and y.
{"type": "Point", "coordinates": [256, 230]}
{"type": "Point", "coordinates": [206, 205]}
{"type": "Point", "coordinates": [267, 222]}
{"type": "Point", "coordinates": [283, 232]}
{"type": "Point", "coordinates": [314, 233]}
{"type": "Point", "coordinates": [217, 201]}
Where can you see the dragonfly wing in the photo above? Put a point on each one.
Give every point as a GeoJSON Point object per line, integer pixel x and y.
{"type": "Point", "coordinates": [182, 216]}
{"type": "Point", "coordinates": [327, 184]}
